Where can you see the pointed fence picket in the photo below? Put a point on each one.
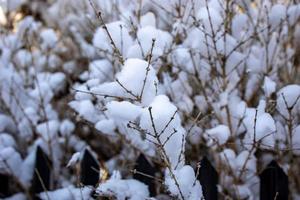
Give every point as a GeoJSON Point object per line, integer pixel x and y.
{"type": "Point", "coordinates": [274, 183]}
{"type": "Point", "coordinates": [208, 178]}
{"type": "Point", "coordinates": [89, 169]}
{"type": "Point", "coordinates": [145, 172]}
{"type": "Point", "coordinates": [42, 170]}
{"type": "Point", "coordinates": [4, 185]}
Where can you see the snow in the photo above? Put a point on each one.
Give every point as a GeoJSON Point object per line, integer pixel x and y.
{"type": "Point", "coordinates": [123, 110]}
{"type": "Point", "coordinates": [6, 124]}
{"type": "Point", "coordinates": [27, 167]}
{"type": "Point", "coordinates": [42, 92]}
{"type": "Point", "coordinates": [66, 127]}
{"type": "Point", "coordinates": [269, 86]}
{"type": "Point", "coordinates": [228, 157]}
{"type": "Point", "coordinates": [48, 130]}
{"type": "Point", "coordinates": [183, 91]}
{"type": "Point", "coordinates": [241, 109]}
{"type": "Point", "coordinates": [188, 184]}
{"type": "Point", "coordinates": [86, 109]}
{"type": "Point", "coordinates": [83, 94]}
{"type": "Point", "coordinates": [10, 161]}
{"type": "Point", "coordinates": [148, 20]}
{"type": "Point", "coordinates": [12, 5]}
{"type": "Point", "coordinates": [106, 126]}
{"type": "Point", "coordinates": [69, 67]}
{"type": "Point", "coordinates": [277, 14]}
{"type": "Point", "coordinates": [162, 112]}
{"type": "Point", "coordinates": [243, 158]}
{"type": "Point", "coordinates": [119, 33]}
{"type": "Point", "coordinates": [239, 24]}
{"type": "Point", "coordinates": [6, 140]}
{"type": "Point", "coordinates": [68, 193]}
{"type": "Point", "coordinates": [182, 57]}
{"type": "Point", "coordinates": [130, 85]}
{"type": "Point", "coordinates": [26, 132]}
{"type": "Point", "coordinates": [201, 103]}
{"type": "Point", "coordinates": [18, 196]}
{"type": "Point", "coordinates": [287, 97]}
{"type": "Point", "coordinates": [57, 81]}
{"type": "Point", "coordinates": [162, 40]}
{"type": "Point", "coordinates": [100, 69]}
{"type": "Point", "coordinates": [92, 82]}
{"type": "Point", "coordinates": [49, 39]}
{"type": "Point", "coordinates": [243, 191]}
{"type": "Point", "coordinates": [132, 78]}
{"type": "Point", "coordinates": [224, 99]}
{"type": "Point", "coordinates": [123, 189]}
{"type": "Point", "coordinates": [53, 62]}
{"type": "Point", "coordinates": [219, 134]}
{"type": "Point", "coordinates": [53, 82]}
{"type": "Point", "coordinates": [204, 15]}
{"type": "Point", "coordinates": [23, 58]}
{"type": "Point", "coordinates": [225, 46]}
{"type": "Point", "coordinates": [296, 140]}
{"type": "Point", "coordinates": [265, 128]}
{"type": "Point", "coordinates": [193, 87]}
{"type": "Point", "coordinates": [293, 13]}
{"type": "Point", "coordinates": [74, 159]}
{"type": "Point", "coordinates": [32, 114]}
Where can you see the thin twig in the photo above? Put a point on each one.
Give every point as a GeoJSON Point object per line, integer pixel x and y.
{"type": "Point", "coordinates": [115, 48]}
{"type": "Point", "coordinates": [147, 69]}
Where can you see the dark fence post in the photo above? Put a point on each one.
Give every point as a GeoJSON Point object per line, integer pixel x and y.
{"type": "Point", "coordinates": [42, 169]}
{"type": "Point", "coordinates": [145, 173]}
{"type": "Point", "coordinates": [4, 183]}
{"type": "Point", "coordinates": [208, 178]}
{"type": "Point", "coordinates": [273, 183]}
{"type": "Point", "coordinates": [89, 169]}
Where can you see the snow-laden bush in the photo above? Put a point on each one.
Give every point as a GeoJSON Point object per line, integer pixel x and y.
{"type": "Point", "coordinates": [175, 80]}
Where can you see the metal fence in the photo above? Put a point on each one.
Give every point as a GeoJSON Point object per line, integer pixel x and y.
{"type": "Point", "coordinates": [273, 180]}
